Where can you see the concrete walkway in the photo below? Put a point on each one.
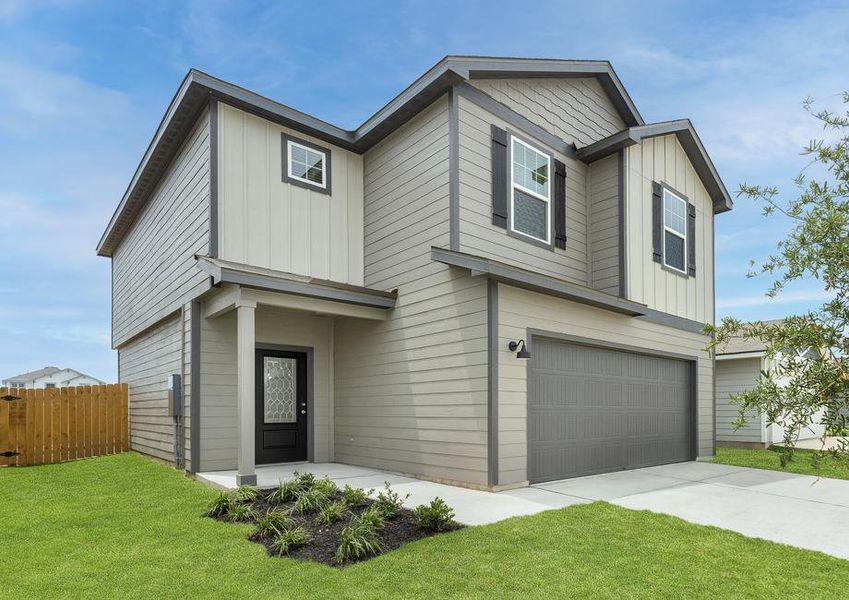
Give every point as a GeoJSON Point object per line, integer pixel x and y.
{"type": "Point", "coordinates": [799, 510]}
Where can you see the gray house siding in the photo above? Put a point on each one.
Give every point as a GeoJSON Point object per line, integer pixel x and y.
{"type": "Point", "coordinates": [604, 223]}
{"type": "Point", "coordinates": [578, 111]}
{"type": "Point", "coordinates": [153, 268]}
{"type": "Point", "coordinates": [477, 233]}
{"type": "Point", "coordinates": [145, 363]}
{"type": "Point", "coordinates": [734, 377]}
{"type": "Point", "coordinates": [411, 392]}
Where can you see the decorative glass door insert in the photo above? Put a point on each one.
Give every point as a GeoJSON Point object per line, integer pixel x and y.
{"type": "Point", "coordinates": [281, 389]}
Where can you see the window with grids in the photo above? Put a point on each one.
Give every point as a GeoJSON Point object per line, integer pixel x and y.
{"type": "Point", "coordinates": [307, 165]}
{"type": "Point", "coordinates": [530, 201]}
{"type": "Point", "coordinates": [674, 231]}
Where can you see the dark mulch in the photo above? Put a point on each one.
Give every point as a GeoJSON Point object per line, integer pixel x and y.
{"type": "Point", "coordinates": [400, 529]}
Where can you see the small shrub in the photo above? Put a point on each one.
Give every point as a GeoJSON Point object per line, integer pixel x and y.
{"type": "Point", "coordinates": [332, 512]}
{"type": "Point", "coordinates": [358, 539]}
{"type": "Point", "coordinates": [290, 539]}
{"type": "Point", "coordinates": [245, 493]}
{"type": "Point", "coordinates": [241, 512]}
{"type": "Point", "coordinates": [285, 492]}
{"type": "Point", "coordinates": [355, 496]}
{"type": "Point", "coordinates": [221, 505]}
{"type": "Point", "coordinates": [326, 486]}
{"type": "Point", "coordinates": [274, 523]}
{"type": "Point", "coordinates": [436, 516]}
{"type": "Point", "coordinates": [373, 518]}
{"type": "Point", "coordinates": [388, 501]}
{"type": "Point", "coordinates": [311, 500]}
{"type": "Point", "coordinates": [304, 480]}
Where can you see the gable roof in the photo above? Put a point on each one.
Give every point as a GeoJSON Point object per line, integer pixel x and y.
{"type": "Point", "coordinates": [739, 344]}
{"type": "Point", "coordinates": [32, 375]}
{"type": "Point", "coordinates": [197, 88]}
{"type": "Point", "coordinates": [690, 142]}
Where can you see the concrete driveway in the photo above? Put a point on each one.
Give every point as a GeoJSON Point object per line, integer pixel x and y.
{"type": "Point", "coordinates": [799, 510]}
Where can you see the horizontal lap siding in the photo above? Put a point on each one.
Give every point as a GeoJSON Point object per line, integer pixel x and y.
{"type": "Point", "coordinates": [578, 111]}
{"type": "Point", "coordinates": [268, 223]}
{"type": "Point", "coordinates": [144, 365]}
{"type": "Point", "coordinates": [520, 310]}
{"type": "Point", "coordinates": [154, 269]}
{"type": "Point", "coordinates": [663, 159]}
{"type": "Point", "coordinates": [411, 390]}
{"type": "Point", "coordinates": [734, 377]}
{"type": "Point", "coordinates": [603, 204]}
{"type": "Point", "coordinates": [477, 233]}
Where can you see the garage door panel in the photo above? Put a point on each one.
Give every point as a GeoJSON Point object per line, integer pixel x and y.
{"type": "Point", "coordinates": [592, 410]}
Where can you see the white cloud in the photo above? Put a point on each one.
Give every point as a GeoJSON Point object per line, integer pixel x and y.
{"type": "Point", "coordinates": [791, 297]}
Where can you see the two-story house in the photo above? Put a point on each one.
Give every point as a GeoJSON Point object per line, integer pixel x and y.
{"type": "Point", "coordinates": [500, 277]}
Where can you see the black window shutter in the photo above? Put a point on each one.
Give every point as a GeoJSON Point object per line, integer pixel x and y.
{"type": "Point", "coordinates": [657, 222]}
{"type": "Point", "coordinates": [559, 204]}
{"type": "Point", "coordinates": [499, 177]}
{"type": "Point", "coordinates": [691, 239]}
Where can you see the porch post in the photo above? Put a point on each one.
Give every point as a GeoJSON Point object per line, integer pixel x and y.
{"type": "Point", "coordinates": [245, 403]}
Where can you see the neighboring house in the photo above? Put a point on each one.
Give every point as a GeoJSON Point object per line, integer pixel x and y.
{"type": "Point", "coordinates": [50, 377]}
{"type": "Point", "coordinates": [370, 296]}
{"type": "Point", "coordinates": [739, 363]}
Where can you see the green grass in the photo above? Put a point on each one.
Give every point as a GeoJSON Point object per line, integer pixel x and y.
{"type": "Point", "coordinates": [127, 527]}
{"type": "Point", "coordinates": [769, 459]}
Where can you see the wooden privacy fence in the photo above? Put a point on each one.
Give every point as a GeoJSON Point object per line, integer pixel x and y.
{"type": "Point", "coordinates": [58, 424]}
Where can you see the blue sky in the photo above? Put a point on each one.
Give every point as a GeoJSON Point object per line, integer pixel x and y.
{"type": "Point", "coordinates": [83, 85]}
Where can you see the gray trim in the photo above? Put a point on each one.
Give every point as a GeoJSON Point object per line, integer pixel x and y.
{"type": "Point", "coordinates": [309, 351]}
{"type": "Point", "coordinates": [690, 142]}
{"type": "Point", "coordinates": [313, 288]}
{"type": "Point", "coordinates": [713, 318]}
{"type": "Point", "coordinates": [585, 341]}
{"type": "Point", "coordinates": [194, 357]}
{"type": "Point", "coordinates": [285, 138]}
{"type": "Point", "coordinates": [454, 169]}
{"type": "Point", "coordinates": [492, 381]}
{"type": "Point", "coordinates": [662, 318]}
{"type": "Point", "coordinates": [197, 87]}
{"type": "Point", "coordinates": [213, 178]}
{"type": "Point", "coordinates": [537, 282]}
{"type": "Point", "coordinates": [694, 407]}
{"type": "Point", "coordinates": [623, 255]}
{"type": "Point", "coordinates": [514, 119]}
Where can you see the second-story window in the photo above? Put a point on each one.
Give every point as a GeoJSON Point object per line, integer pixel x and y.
{"type": "Point", "coordinates": [674, 231]}
{"type": "Point", "coordinates": [306, 164]}
{"type": "Point", "coordinates": [530, 202]}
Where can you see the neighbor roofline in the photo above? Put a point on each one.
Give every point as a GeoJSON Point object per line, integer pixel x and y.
{"type": "Point", "coordinates": [690, 142]}
{"type": "Point", "coordinates": [198, 88]}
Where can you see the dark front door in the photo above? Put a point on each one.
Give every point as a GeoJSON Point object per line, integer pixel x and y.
{"type": "Point", "coordinates": [281, 406]}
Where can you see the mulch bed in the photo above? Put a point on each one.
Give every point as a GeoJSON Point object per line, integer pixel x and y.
{"type": "Point", "coordinates": [400, 529]}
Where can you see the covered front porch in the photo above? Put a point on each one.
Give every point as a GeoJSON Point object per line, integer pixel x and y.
{"type": "Point", "coordinates": [265, 368]}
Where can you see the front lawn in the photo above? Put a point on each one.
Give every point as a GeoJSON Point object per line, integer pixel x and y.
{"type": "Point", "coordinates": [770, 459]}
{"type": "Point", "coordinates": [123, 526]}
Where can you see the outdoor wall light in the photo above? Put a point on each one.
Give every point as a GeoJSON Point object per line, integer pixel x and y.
{"type": "Point", "coordinates": [523, 353]}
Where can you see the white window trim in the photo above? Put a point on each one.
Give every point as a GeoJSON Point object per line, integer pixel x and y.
{"type": "Point", "coordinates": [516, 186]}
{"type": "Point", "coordinates": [666, 228]}
{"type": "Point", "coordinates": [291, 144]}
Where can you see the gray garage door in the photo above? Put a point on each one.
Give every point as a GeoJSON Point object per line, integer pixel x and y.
{"type": "Point", "coordinates": [594, 410]}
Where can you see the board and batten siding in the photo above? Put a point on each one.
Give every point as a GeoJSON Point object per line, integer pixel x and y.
{"type": "Point", "coordinates": [274, 327]}
{"type": "Point", "coordinates": [520, 310]}
{"type": "Point", "coordinates": [477, 233]}
{"type": "Point", "coordinates": [604, 222]}
{"type": "Point", "coordinates": [265, 222]}
{"type": "Point", "coordinates": [144, 364]}
{"type": "Point", "coordinates": [578, 110]}
{"type": "Point", "coordinates": [662, 159]}
{"type": "Point", "coordinates": [411, 391]}
{"type": "Point", "coordinates": [734, 377]}
{"type": "Point", "coordinates": [153, 268]}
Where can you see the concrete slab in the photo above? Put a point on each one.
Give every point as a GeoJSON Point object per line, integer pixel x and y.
{"type": "Point", "coordinates": [545, 497]}
{"type": "Point", "coordinates": [611, 485]}
{"type": "Point", "coordinates": [690, 471]}
{"type": "Point", "coordinates": [800, 523]}
{"type": "Point", "coordinates": [802, 487]}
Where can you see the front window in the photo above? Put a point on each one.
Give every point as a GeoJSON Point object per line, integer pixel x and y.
{"type": "Point", "coordinates": [674, 231]}
{"type": "Point", "coordinates": [530, 212]}
{"type": "Point", "coordinates": [307, 165]}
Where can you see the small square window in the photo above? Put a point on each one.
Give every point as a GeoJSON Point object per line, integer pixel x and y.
{"type": "Point", "coordinates": [674, 231]}
{"type": "Point", "coordinates": [306, 165]}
